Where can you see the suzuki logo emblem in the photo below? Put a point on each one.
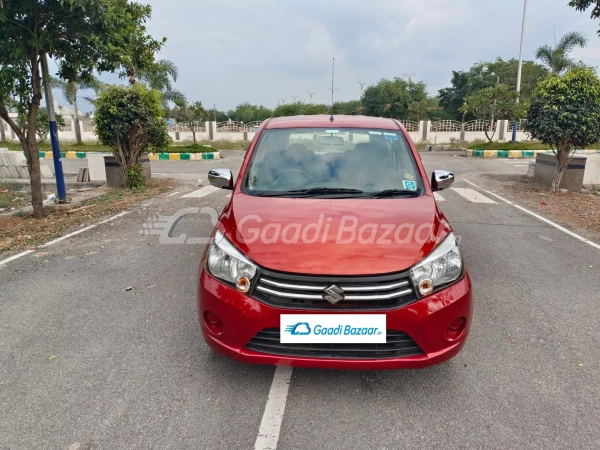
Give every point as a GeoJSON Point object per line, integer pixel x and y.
{"type": "Point", "coordinates": [333, 294]}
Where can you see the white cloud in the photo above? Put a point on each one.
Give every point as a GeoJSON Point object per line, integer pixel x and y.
{"type": "Point", "coordinates": [260, 51]}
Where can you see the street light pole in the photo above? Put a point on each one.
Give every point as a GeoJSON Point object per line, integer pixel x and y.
{"type": "Point", "coordinates": [514, 133]}
{"type": "Point", "coordinates": [58, 169]}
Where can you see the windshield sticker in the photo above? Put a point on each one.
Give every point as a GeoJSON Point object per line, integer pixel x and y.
{"type": "Point", "coordinates": [390, 137]}
{"type": "Point", "coordinates": [332, 131]}
{"type": "Point", "coordinates": [410, 185]}
{"type": "Point", "coordinates": [409, 176]}
{"type": "Point", "coordinates": [377, 133]}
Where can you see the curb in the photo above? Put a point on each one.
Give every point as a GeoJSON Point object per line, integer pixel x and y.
{"type": "Point", "coordinates": [513, 154]}
{"type": "Point", "coordinates": [151, 156]}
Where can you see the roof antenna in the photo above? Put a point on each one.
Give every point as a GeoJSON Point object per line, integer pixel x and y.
{"type": "Point", "coordinates": [331, 88]}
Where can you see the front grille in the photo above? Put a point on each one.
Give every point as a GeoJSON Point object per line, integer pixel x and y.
{"type": "Point", "coordinates": [359, 293]}
{"type": "Point", "coordinates": [398, 345]}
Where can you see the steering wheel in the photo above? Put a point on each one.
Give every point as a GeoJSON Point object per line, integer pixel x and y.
{"type": "Point", "coordinates": [276, 181]}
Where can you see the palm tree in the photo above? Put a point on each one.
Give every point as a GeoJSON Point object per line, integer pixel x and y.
{"type": "Point", "coordinates": [160, 76]}
{"type": "Point", "coordinates": [557, 57]}
{"type": "Point", "coordinates": [70, 89]}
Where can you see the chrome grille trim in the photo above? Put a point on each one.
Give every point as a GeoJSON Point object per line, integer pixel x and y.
{"type": "Point", "coordinates": [300, 287]}
{"type": "Point", "coordinates": [378, 297]}
{"type": "Point", "coordinates": [288, 295]}
{"type": "Point", "coordinates": [310, 292]}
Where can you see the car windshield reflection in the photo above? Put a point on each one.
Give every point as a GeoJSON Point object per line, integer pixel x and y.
{"type": "Point", "coordinates": [332, 163]}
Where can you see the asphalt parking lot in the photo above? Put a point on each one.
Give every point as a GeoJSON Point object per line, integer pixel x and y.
{"type": "Point", "coordinates": [87, 364]}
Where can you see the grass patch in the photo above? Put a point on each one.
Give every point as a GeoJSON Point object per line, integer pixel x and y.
{"type": "Point", "coordinates": [509, 146]}
{"type": "Point", "coordinates": [201, 147]}
{"type": "Point", "coordinates": [11, 199]}
{"type": "Point", "coordinates": [22, 231]}
{"type": "Point", "coordinates": [225, 145]}
{"type": "Point", "coordinates": [64, 147]}
{"type": "Point", "coordinates": [190, 148]}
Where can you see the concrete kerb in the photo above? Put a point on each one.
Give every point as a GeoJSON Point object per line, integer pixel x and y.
{"type": "Point", "coordinates": [514, 154]}
{"type": "Point", "coordinates": [152, 156]}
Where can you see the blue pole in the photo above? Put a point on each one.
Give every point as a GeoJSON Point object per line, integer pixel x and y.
{"type": "Point", "coordinates": [58, 169]}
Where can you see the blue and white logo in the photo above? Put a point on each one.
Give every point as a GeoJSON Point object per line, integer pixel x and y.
{"type": "Point", "coordinates": [332, 328]}
{"type": "Point", "coordinates": [299, 329]}
{"type": "Point", "coordinates": [411, 185]}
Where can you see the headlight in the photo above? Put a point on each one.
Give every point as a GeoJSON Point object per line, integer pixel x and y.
{"type": "Point", "coordinates": [442, 266]}
{"type": "Point", "coordinates": [227, 263]}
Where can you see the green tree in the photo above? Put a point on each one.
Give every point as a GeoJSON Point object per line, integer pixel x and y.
{"type": "Point", "coordinates": [582, 5]}
{"type": "Point", "coordinates": [350, 107]}
{"type": "Point", "coordinates": [557, 58]}
{"type": "Point", "coordinates": [191, 114]}
{"type": "Point", "coordinates": [82, 36]}
{"type": "Point", "coordinates": [565, 113]}
{"type": "Point", "coordinates": [492, 104]}
{"type": "Point", "coordinates": [160, 76]}
{"type": "Point", "coordinates": [290, 109]}
{"type": "Point", "coordinates": [418, 110]}
{"type": "Point", "coordinates": [70, 89]}
{"type": "Point", "coordinates": [392, 98]}
{"type": "Point", "coordinates": [129, 121]}
{"type": "Point", "coordinates": [487, 74]}
{"type": "Point", "coordinates": [42, 128]}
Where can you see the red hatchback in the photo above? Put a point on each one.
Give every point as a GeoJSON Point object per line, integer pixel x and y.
{"type": "Point", "coordinates": [333, 253]}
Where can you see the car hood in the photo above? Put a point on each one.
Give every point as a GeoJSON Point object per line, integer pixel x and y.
{"type": "Point", "coordinates": [334, 236]}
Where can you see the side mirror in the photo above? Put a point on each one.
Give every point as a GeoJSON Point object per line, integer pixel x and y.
{"type": "Point", "coordinates": [221, 178]}
{"type": "Point", "coordinates": [441, 179]}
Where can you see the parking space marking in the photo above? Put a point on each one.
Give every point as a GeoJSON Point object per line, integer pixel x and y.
{"type": "Point", "coordinates": [537, 216]}
{"type": "Point", "coordinates": [206, 190]}
{"type": "Point", "coordinates": [62, 238]}
{"type": "Point", "coordinates": [268, 434]}
{"type": "Point", "coordinates": [473, 196]}
{"type": "Point", "coordinates": [438, 197]}
{"type": "Point", "coordinates": [174, 193]}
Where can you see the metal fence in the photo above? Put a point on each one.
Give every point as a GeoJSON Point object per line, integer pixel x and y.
{"type": "Point", "coordinates": [480, 125]}
{"type": "Point", "coordinates": [441, 126]}
{"type": "Point", "coordinates": [197, 127]}
{"type": "Point", "coordinates": [410, 125]}
{"type": "Point", "coordinates": [520, 125]}
{"type": "Point", "coordinates": [88, 126]}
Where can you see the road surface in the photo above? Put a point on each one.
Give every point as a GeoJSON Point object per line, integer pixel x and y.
{"type": "Point", "coordinates": [85, 363]}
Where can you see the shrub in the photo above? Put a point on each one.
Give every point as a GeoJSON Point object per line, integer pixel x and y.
{"type": "Point", "coordinates": [129, 121]}
{"type": "Point", "coordinates": [565, 113]}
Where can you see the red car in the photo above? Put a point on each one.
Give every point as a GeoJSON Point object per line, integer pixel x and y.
{"type": "Point", "coordinates": [333, 253]}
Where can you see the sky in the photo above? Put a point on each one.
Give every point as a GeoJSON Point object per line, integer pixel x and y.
{"type": "Point", "coordinates": [262, 51]}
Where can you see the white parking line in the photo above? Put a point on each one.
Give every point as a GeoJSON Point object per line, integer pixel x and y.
{"type": "Point", "coordinates": [438, 197]}
{"type": "Point", "coordinates": [537, 216]}
{"type": "Point", "coordinates": [268, 434]}
{"type": "Point", "coordinates": [174, 193]}
{"type": "Point", "coordinates": [62, 238]}
{"type": "Point", "coordinates": [473, 196]}
{"type": "Point", "coordinates": [228, 196]}
{"type": "Point", "coordinates": [201, 192]}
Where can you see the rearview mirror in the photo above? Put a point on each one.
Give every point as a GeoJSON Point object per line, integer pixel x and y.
{"type": "Point", "coordinates": [221, 178]}
{"type": "Point", "coordinates": [441, 179]}
{"type": "Point", "coordinates": [331, 140]}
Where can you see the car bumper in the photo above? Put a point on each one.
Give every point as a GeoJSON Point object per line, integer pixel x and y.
{"type": "Point", "coordinates": [425, 321]}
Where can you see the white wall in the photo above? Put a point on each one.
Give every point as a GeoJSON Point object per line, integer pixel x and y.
{"type": "Point", "coordinates": [186, 136]}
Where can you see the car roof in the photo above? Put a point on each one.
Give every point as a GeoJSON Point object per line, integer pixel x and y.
{"type": "Point", "coordinates": [324, 121]}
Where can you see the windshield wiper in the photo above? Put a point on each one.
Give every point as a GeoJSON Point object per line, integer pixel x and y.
{"type": "Point", "coordinates": [325, 190]}
{"type": "Point", "coordinates": [310, 192]}
{"type": "Point", "coordinates": [395, 193]}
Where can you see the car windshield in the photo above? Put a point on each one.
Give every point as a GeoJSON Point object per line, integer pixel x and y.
{"type": "Point", "coordinates": [345, 162]}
